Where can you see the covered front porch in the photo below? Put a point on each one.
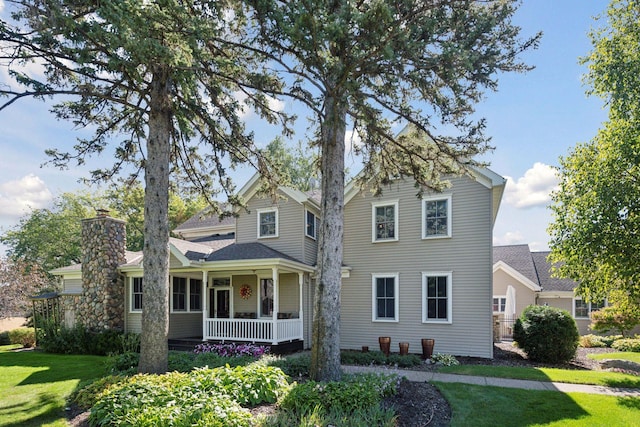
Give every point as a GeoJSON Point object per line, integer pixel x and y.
{"type": "Point", "coordinates": [258, 306]}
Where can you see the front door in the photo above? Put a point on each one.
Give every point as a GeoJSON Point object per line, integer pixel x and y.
{"type": "Point", "coordinates": [219, 303]}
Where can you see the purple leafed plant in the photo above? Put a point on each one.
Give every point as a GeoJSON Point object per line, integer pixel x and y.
{"type": "Point", "coordinates": [232, 350]}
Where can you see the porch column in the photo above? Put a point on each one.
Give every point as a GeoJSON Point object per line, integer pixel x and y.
{"type": "Point", "coordinates": [276, 305]}
{"type": "Point", "coordinates": [301, 304]}
{"type": "Point", "coordinates": [205, 299]}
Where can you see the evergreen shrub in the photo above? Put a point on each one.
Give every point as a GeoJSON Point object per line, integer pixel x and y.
{"type": "Point", "coordinates": [547, 334]}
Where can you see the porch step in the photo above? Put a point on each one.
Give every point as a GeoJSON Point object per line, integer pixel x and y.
{"type": "Point", "coordinates": [184, 344]}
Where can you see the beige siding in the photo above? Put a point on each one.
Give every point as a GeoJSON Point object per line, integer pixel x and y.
{"type": "Point", "coordinates": [289, 300]}
{"type": "Point", "coordinates": [468, 255]}
{"type": "Point", "coordinates": [310, 245]}
{"type": "Point", "coordinates": [525, 296]}
{"type": "Point", "coordinates": [290, 238]}
{"type": "Point", "coordinates": [132, 320]}
{"type": "Point", "coordinates": [249, 305]}
{"type": "Point", "coordinates": [73, 286]}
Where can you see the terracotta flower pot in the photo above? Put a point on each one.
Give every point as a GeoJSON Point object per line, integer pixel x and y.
{"type": "Point", "coordinates": [404, 348]}
{"type": "Point", "coordinates": [427, 347]}
{"type": "Point", "coordinates": [385, 345]}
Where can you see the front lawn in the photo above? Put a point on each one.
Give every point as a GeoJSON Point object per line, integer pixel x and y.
{"type": "Point", "coordinates": [34, 385]}
{"type": "Point", "coordinates": [573, 376]}
{"type": "Point", "coordinates": [480, 406]}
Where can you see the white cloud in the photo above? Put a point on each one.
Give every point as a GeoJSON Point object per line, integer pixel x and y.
{"type": "Point", "coordinates": [352, 140]}
{"type": "Point", "coordinates": [533, 189]}
{"type": "Point", "coordinates": [1, 6]}
{"type": "Point", "coordinates": [508, 238]}
{"type": "Point", "coordinates": [19, 196]}
{"type": "Point", "coordinates": [246, 111]}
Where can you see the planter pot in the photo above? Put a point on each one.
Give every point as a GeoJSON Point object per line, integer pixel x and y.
{"type": "Point", "coordinates": [404, 348]}
{"type": "Point", "coordinates": [427, 347]}
{"type": "Point", "coordinates": [385, 345]}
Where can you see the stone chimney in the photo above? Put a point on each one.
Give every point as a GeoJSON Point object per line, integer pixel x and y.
{"type": "Point", "coordinates": [103, 250]}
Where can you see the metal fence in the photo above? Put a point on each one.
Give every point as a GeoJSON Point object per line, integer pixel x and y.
{"type": "Point", "coordinates": [506, 326]}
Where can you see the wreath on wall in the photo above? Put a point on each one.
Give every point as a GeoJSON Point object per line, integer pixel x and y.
{"type": "Point", "coordinates": [245, 292]}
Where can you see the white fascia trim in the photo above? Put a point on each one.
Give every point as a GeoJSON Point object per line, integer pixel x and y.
{"type": "Point", "coordinates": [179, 255]}
{"type": "Point", "coordinates": [252, 264]}
{"type": "Point", "coordinates": [501, 265]}
{"type": "Point", "coordinates": [555, 294]}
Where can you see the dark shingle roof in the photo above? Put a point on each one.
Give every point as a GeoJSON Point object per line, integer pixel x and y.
{"type": "Point", "coordinates": [204, 219]}
{"type": "Point", "coordinates": [517, 257]}
{"type": "Point", "coordinates": [548, 282]}
{"type": "Point", "coordinates": [533, 265]}
{"type": "Point", "coordinates": [244, 251]}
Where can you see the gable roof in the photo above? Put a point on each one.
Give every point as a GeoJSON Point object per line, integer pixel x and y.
{"type": "Point", "coordinates": [549, 283]}
{"type": "Point", "coordinates": [533, 266]}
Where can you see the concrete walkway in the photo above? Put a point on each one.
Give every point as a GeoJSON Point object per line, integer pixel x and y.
{"type": "Point", "coordinates": [424, 376]}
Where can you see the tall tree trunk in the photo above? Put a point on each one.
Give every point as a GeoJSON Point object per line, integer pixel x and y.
{"type": "Point", "coordinates": [155, 300]}
{"type": "Point", "coordinates": [325, 346]}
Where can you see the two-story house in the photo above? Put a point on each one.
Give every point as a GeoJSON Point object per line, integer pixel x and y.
{"type": "Point", "coordinates": [413, 268]}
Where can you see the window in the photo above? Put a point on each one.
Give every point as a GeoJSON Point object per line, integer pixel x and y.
{"type": "Point", "coordinates": [267, 223]}
{"type": "Point", "coordinates": [583, 309]}
{"type": "Point", "coordinates": [385, 221]}
{"type": "Point", "coordinates": [436, 217]}
{"type": "Point", "coordinates": [266, 297]}
{"type": "Point", "coordinates": [436, 297]}
{"type": "Point", "coordinates": [385, 297]}
{"type": "Point", "coordinates": [179, 300]}
{"type": "Point", "coordinates": [195, 295]}
{"type": "Point", "coordinates": [186, 294]}
{"type": "Point", "coordinates": [136, 294]}
{"type": "Point", "coordinates": [311, 225]}
{"type": "Point", "coordinates": [499, 304]}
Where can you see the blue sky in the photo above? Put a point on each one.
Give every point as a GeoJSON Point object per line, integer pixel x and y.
{"type": "Point", "coordinates": [533, 118]}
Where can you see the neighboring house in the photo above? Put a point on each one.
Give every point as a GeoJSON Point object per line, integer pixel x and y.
{"type": "Point", "coordinates": [413, 268]}
{"type": "Point", "coordinates": [522, 278]}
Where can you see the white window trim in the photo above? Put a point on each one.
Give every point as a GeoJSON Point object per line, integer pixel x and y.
{"type": "Point", "coordinates": [499, 297]}
{"type": "Point", "coordinates": [267, 210]}
{"type": "Point", "coordinates": [187, 301]}
{"type": "Point", "coordinates": [589, 310]}
{"type": "Point", "coordinates": [396, 292]}
{"type": "Point", "coordinates": [315, 224]}
{"type": "Point", "coordinates": [375, 205]}
{"type": "Point", "coordinates": [131, 308]}
{"type": "Point", "coordinates": [446, 197]}
{"type": "Point", "coordinates": [449, 275]}
{"type": "Point", "coordinates": [189, 296]}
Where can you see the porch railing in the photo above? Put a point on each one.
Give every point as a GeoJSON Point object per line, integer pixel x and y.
{"type": "Point", "coordinates": [253, 330]}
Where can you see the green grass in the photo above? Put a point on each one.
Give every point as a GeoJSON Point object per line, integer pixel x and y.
{"type": "Point", "coordinates": [495, 406]}
{"type": "Point", "coordinates": [34, 386]}
{"type": "Point", "coordinates": [627, 355]}
{"type": "Point", "coordinates": [573, 376]}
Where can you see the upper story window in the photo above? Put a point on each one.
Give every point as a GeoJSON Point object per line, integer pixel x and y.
{"type": "Point", "coordinates": [136, 294]}
{"type": "Point", "coordinates": [385, 297]}
{"type": "Point", "coordinates": [385, 221]}
{"type": "Point", "coordinates": [267, 223]}
{"type": "Point", "coordinates": [583, 309]}
{"type": "Point", "coordinates": [436, 217]}
{"type": "Point", "coordinates": [436, 297]}
{"type": "Point", "coordinates": [311, 225]}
